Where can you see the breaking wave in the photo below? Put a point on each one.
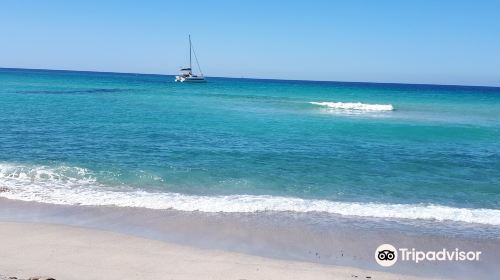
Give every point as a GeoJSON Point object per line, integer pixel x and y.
{"type": "Point", "coordinates": [355, 106]}
{"type": "Point", "coordinates": [76, 186]}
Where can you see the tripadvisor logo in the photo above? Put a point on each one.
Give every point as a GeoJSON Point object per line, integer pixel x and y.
{"type": "Point", "coordinates": [387, 255]}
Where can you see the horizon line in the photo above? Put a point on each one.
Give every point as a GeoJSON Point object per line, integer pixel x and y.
{"type": "Point", "coordinates": [257, 78]}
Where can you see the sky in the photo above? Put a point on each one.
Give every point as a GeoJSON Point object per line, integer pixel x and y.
{"type": "Point", "coordinates": [412, 41]}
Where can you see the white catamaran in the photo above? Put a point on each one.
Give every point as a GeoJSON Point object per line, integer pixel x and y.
{"type": "Point", "coordinates": [187, 73]}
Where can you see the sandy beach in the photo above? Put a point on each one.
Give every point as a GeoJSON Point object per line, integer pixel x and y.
{"type": "Point", "coordinates": [79, 242]}
{"type": "Point", "coordinates": [66, 252]}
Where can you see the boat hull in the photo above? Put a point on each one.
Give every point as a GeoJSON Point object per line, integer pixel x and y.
{"type": "Point", "coordinates": [190, 79]}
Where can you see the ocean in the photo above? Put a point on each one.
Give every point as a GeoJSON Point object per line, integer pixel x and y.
{"type": "Point", "coordinates": [402, 152]}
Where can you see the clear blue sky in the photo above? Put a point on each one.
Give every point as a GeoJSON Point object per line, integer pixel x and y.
{"type": "Point", "coordinates": [444, 42]}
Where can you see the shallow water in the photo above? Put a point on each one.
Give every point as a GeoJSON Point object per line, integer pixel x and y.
{"type": "Point", "coordinates": [414, 152]}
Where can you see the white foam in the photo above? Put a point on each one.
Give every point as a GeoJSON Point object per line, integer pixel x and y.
{"type": "Point", "coordinates": [53, 185]}
{"type": "Point", "coordinates": [357, 106]}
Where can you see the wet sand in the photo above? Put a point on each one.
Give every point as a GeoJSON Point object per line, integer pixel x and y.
{"type": "Point", "coordinates": [65, 252]}
{"type": "Point", "coordinates": [323, 247]}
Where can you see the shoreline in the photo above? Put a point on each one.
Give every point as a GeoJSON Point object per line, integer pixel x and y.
{"type": "Point", "coordinates": [343, 243]}
{"type": "Point", "coordinates": [66, 252]}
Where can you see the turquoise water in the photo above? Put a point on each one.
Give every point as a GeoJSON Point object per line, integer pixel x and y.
{"type": "Point", "coordinates": [251, 145]}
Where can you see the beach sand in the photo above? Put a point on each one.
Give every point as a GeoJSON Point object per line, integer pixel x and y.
{"type": "Point", "coordinates": [67, 252]}
{"type": "Point", "coordinates": [86, 242]}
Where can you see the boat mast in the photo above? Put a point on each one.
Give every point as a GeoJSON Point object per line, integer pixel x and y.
{"type": "Point", "coordinates": [190, 67]}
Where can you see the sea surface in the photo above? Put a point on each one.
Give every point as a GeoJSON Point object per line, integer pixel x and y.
{"type": "Point", "coordinates": [386, 151]}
